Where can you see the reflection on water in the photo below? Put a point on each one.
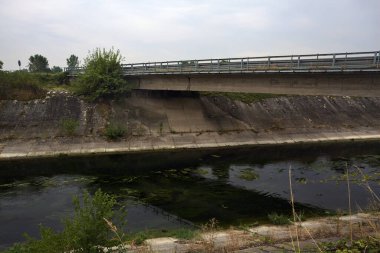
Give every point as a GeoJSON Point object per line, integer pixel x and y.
{"type": "Point", "coordinates": [174, 189]}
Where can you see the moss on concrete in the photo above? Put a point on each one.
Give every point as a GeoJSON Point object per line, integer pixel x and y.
{"type": "Point", "coordinates": [247, 98]}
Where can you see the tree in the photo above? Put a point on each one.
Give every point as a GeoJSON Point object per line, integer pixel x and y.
{"type": "Point", "coordinates": [38, 63]}
{"type": "Point", "coordinates": [72, 61]}
{"type": "Point", "coordinates": [56, 69]}
{"type": "Point", "coordinates": [1, 65]}
{"type": "Point", "coordinates": [102, 76]}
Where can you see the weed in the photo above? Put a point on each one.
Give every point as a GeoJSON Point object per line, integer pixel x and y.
{"type": "Point", "coordinates": [84, 232]}
{"type": "Point", "coordinates": [278, 219]}
{"type": "Point", "coordinates": [247, 98]}
{"type": "Point", "coordinates": [161, 127]}
{"type": "Point", "coordinates": [115, 131]}
{"type": "Point", "coordinates": [69, 126]}
{"type": "Point", "coordinates": [368, 244]}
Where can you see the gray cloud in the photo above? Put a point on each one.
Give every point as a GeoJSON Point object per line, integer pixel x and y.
{"type": "Point", "coordinates": [149, 30]}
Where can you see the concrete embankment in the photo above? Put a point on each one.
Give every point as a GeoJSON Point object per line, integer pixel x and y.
{"type": "Point", "coordinates": [177, 120]}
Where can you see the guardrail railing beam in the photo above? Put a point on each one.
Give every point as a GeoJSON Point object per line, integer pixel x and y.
{"type": "Point", "coordinates": [368, 61]}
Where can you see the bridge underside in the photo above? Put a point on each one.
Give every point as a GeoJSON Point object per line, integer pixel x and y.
{"type": "Point", "coordinates": [341, 84]}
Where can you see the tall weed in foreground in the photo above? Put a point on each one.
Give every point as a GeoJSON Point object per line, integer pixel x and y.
{"type": "Point", "coordinates": [84, 232]}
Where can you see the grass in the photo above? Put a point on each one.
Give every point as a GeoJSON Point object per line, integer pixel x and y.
{"type": "Point", "coordinates": [22, 85]}
{"type": "Point", "coordinates": [115, 131]}
{"type": "Point", "coordinates": [69, 126]}
{"type": "Point", "coordinates": [278, 219]}
{"type": "Point", "coordinates": [247, 98]}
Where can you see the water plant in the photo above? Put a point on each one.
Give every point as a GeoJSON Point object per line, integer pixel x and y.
{"type": "Point", "coordinates": [248, 174]}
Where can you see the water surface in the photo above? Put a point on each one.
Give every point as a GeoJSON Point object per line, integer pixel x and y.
{"type": "Point", "coordinates": [168, 190]}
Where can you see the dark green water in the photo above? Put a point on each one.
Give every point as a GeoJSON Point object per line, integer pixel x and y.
{"type": "Point", "coordinates": [168, 190]}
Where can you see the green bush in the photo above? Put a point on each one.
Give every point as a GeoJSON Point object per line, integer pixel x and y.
{"type": "Point", "coordinates": [278, 219]}
{"type": "Point", "coordinates": [368, 244]}
{"type": "Point", "coordinates": [82, 233]}
{"type": "Point", "coordinates": [69, 126]}
{"type": "Point", "coordinates": [115, 131]}
{"type": "Point", "coordinates": [102, 76]}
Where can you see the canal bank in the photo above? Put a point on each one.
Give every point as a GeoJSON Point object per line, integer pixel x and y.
{"type": "Point", "coordinates": [29, 149]}
{"type": "Point", "coordinates": [63, 124]}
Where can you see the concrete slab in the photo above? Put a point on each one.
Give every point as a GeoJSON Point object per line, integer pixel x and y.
{"type": "Point", "coordinates": [117, 147]}
{"type": "Point", "coordinates": [184, 140]}
{"type": "Point", "coordinates": [270, 139]}
{"type": "Point", "coordinates": [162, 245]}
{"type": "Point", "coordinates": [163, 142]}
{"type": "Point", "coordinates": [15, 150]}
{"type": "Point", "coordinates": [94, 147]}
{"type": "Point", "coordinates": [139, 144]}
{"type": "Point", "coordinates": [206, 140]}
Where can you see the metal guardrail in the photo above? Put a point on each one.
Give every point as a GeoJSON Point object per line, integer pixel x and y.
{"type": "Point", "coordinates": [355, 61]}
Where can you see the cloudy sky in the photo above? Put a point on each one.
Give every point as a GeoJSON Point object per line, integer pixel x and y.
{"type": "Point", "coordinates": [155, 30]}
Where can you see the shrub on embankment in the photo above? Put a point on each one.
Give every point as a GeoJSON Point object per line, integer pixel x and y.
{"type": "Point", "coordinates": [102, 77]}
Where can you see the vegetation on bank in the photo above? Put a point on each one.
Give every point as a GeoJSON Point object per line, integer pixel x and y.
{"type": "Point", "coordinates": [23, 85]}
{"type": "Point", "coordinates": [247, 98]}
{"type": "Point", "coordinates": [89, 228]}
{"type": "Point", "coordinates": [102, 77]}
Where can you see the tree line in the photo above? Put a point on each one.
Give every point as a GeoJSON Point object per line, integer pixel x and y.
{"type": "Point", "coordinates": [102, 76]}
{"type": "Point", "coordinates": [39, 63]}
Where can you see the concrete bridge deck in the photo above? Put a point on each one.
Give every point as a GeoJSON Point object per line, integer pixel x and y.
{"type": "Point", "coordinates": [341, 74]}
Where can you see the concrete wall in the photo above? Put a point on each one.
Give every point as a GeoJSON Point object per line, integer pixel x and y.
{"type": "Point", "coordinates": [343, 84]}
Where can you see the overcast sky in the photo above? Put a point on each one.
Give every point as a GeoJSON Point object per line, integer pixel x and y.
{"type": "Point", "coordinates": [159, 30]}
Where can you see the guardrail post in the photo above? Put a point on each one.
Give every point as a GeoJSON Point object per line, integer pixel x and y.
{"type": "Point", "coordinates": [247, 64]}
{"type": "Point", "coordinates": [333, 61]}
{"type": "Point", "coordinates": [229, 65]}
{"type": "Point", "coordinates": [345, 61]}
{"type": "Point", "coordinates": [268, 62]}
{"type": "Point", "coordinates": [299, 61]}
{"type": "Point", "coordinates": [316, 64]}
{"type": "Point", "coordinates": [291, 62]}
{"type": "Point", "coordinates": [378, 58]}
{"type": "Point", "coordinates": [375, 58]}
{"type": "Point", "coordinates": [241, 65]}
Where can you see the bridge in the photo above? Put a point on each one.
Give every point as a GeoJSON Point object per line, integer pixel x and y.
{"type": "Point", "coordinates": [352, 74]}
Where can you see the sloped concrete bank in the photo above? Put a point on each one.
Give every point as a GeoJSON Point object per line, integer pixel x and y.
{"type": "Point", "coordinates": [305, 236]}
{"type": "Point", "coordinates": [179, 120]}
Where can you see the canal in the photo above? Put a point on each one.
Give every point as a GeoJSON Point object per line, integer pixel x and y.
{"type": "Point", "coordinates": [183, 189]}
